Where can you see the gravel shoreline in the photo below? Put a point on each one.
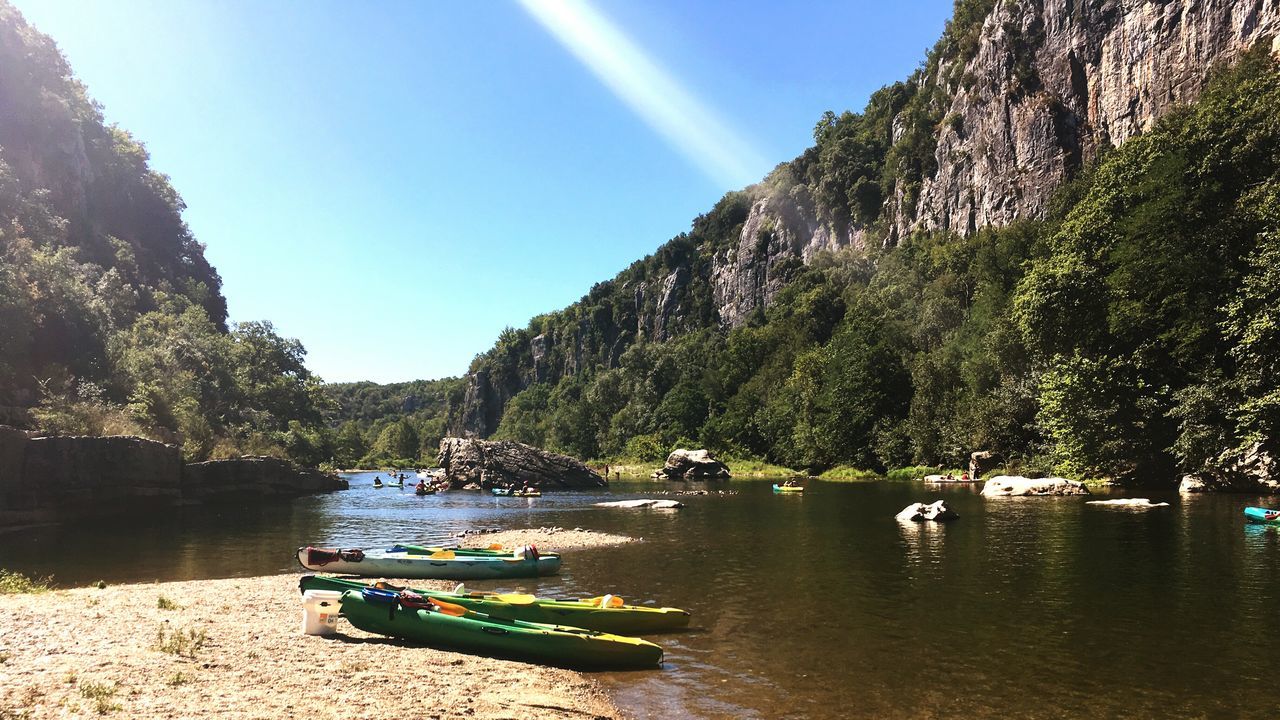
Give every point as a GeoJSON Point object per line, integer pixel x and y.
{"type": "Point", "coordinates": [89, 652]}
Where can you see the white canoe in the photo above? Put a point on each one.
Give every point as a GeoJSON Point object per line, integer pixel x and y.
{"type": "Point", "coordinates": [442, 566]}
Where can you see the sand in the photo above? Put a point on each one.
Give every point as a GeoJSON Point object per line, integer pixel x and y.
{"type": "Point", "coordinates": [547, 539]}
{"type": "Point", "coordinates": [87, 652]}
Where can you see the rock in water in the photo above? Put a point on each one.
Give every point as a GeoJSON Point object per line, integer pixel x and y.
{"type": "Point", "coordinates": [693, 465]}
{"type": "Point", "coordinates": [501, 463]}
{"type": "Point", "coordinates": [1254, 470]}
{"type": "Point", "coordinates": [1007, 485]}
{"type": "Point", "coordinates": [919, 512]}
{"type": "Point", "coordinates": [643, 502]}
{"type": "Point", "coordinates": [1135, 503]}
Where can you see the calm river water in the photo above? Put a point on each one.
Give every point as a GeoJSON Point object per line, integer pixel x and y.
{"type": "Point", "coordinates": [822, 605]}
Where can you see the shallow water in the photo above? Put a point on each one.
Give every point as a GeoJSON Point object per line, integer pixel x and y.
{"type": "Point", "coordinates": [821, 604]}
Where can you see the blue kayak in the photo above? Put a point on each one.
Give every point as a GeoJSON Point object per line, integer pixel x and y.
{"type": "Point", "coordinates": [1262, 515]}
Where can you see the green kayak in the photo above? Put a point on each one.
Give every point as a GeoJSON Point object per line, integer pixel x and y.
{"type": "Point", "coordinates": [470, 552]}
{"type": "Point", "coordinates": [604, 614]}
{"type": "Point", "coordinates": [440, 624]}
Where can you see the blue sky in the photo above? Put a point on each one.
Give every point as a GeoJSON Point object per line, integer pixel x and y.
{"type": "Point", "coordinates": [394, 183]}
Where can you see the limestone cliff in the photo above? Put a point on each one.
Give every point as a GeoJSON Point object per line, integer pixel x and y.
{"type": "Point", "coordinates": [1039, 89]}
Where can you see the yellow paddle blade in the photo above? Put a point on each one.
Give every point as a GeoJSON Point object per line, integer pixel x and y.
{"type": "Point", "coordinates": [517, 599]}
{"type": "Point", "coordinates": [442, 555]}
{"type": "Point", "coordinates": [448, 608]}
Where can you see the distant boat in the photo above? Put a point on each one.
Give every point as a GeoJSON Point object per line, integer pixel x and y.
{"type": "Point", "coordinates": [788, 488]}
{"type": "Point", "coordinates": [511, 492]}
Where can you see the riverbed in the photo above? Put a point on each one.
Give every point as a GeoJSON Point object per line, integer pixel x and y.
{"type": "Point", "coordinates": [820, 604]}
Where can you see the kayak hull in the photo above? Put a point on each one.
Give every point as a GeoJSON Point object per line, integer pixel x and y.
{"type": "Point", "coordinates": [404, 565]}
{"type": "Point", "coordinates": [1264, 516]}
{"type": "Point", "coordinates": [787, 489]}
{"type": "Point", "coordinates": [474, 632]}
{"type": "Point", "coordinates": [620, 620]}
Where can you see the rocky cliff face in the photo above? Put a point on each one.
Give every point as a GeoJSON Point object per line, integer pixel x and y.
{"type": "Point", "coordinates": [1050, 84]}
{"type": "Point", "coordinates": [1055, 80]}
{"type": "Point", "coordinates": [60, 478]}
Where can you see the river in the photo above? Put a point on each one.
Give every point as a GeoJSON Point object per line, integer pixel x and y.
{"type": "Point", "coordinates": [821, 604]}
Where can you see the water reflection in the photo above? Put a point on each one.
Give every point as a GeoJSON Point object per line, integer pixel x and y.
{"type": "Point", "coordinates": [821, 604]}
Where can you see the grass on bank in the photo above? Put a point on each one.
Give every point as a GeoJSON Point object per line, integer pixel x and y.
{"type": "Point", "coordinates": [183, 643]}
{"type": "Point", "coordinates": [741, 467]}
{"type": "Point", "coordinates": [15, 583]}
{"type": "Point", "coordinates": [100, 694]}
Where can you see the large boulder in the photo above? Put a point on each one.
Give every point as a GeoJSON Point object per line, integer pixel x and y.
{"type": "Point", "coordinates": [1253, 470]}
{"type": "Point", "coordinates": [693, 465]}
{"type": "Point", "coordinates": [919, 512]}
{"type": "Point", "coordinates": [490, 463]}
{"type": "Point", "coordinates": [983, 462]}
{"type": "Point", "coordinates": [1016, 485]}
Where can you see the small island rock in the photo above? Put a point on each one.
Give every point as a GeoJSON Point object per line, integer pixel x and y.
{"type": "Point", "coordinates": [503, 463]}
{"type": "Point", "coordinates": [1016, 485]}
{"type": "Point", "coordinates": [643, 503]}
{"type": "Point", "coordinates": [920, 512]}
{"type": "Point", "coordinates": [1135, 503]}
{"type": "Point", "coordinates": [693, 465]}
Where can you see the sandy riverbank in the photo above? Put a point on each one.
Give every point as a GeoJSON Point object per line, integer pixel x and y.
{"type": "Point", "coordinates": [547, 539]}
{"type": "Point", "coordinates": [88, 652]}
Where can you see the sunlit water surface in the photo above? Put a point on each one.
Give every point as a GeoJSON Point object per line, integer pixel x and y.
{"type": "Point", "coordinates": [821, 604]}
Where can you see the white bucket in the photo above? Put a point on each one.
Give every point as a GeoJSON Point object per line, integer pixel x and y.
{"type": "Point", "coordinates": [320, 611]}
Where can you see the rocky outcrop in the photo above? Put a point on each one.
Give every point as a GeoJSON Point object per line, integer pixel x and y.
{"type": "Point", "coordinates": [253, 477]}
{"type": "Point", "coordinates": [920, 512]}
{"type": "Point", "coordinates": [1253, 470]}
{"type": "Point", "coordinates": [1014, 485]}
{"type": "Point", "coordinates": [983, 462]}
{"type": "Point", "coordinates": [504, 462]}
{"type": "Point", "coordinates": [775, 240]}
{"type": "Point", "coordinates": [72, 477]}
{"type": "Point", "coordinates": [58, 478]}
{"type": "Point", "coordinates": [692, 465]}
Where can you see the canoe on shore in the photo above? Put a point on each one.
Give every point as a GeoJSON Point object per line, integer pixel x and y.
{"type": "Point", "coordinates": [437, 566]}
{"type": "Point", "coordinates": [1265, 516]}
{"type": "Point", "coordinates": [605, 614]}
{"type": "Point", "coordinates": [788, 488]}
{"type": "Point", "coordinates": [440, 624]}
{"type": "Point", "coordinates": [491, 551]}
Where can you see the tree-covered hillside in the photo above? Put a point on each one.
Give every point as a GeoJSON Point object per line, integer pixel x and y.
{"type": "Point", "coordinates": [111, 319]}
{"type": "Point", "coordinates": [1125, 335]}
{"type": "Point", "coordinates": [397, 424]}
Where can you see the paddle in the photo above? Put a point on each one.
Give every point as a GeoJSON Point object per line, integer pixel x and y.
{"type": "Point", "coordinates": [448, 608]}
{"type": "Point", "coordinates": [517, 599]}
